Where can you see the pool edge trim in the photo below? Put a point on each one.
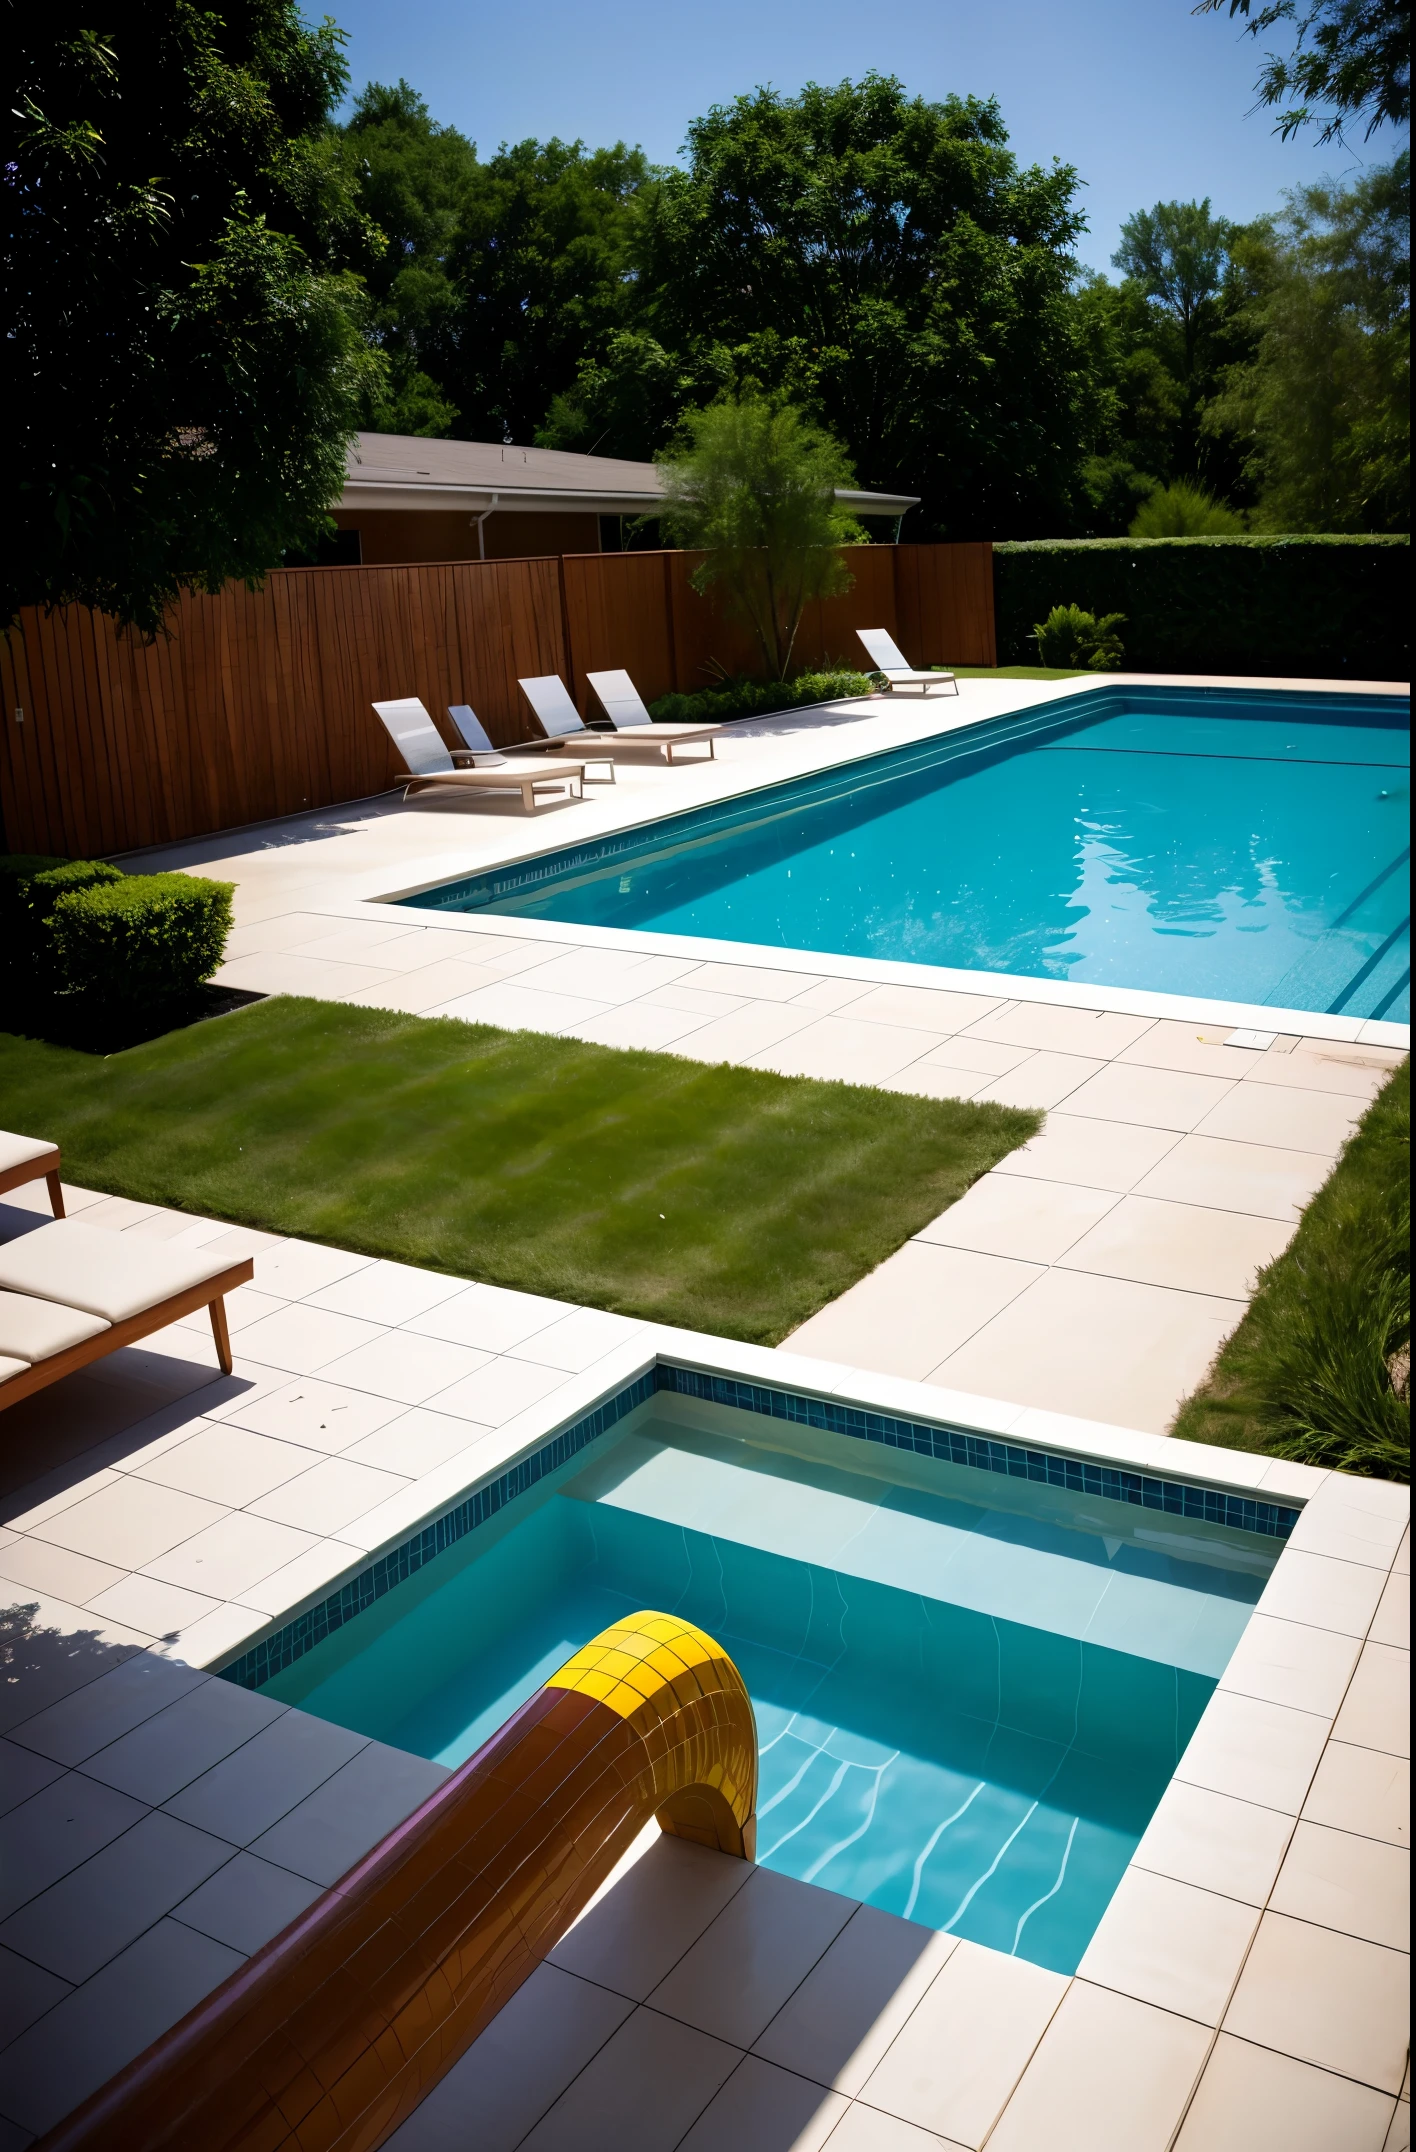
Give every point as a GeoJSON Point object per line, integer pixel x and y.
{"type": "Point", "coordinates": [1114, 1471]}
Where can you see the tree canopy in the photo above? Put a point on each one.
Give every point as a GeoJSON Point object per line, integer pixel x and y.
{"type": "Point", "coordinates": [183, 350]}
{"type": "Point", "coordinates": [882, 260]}
{"type": "Point", "coordinates": [886, 262]}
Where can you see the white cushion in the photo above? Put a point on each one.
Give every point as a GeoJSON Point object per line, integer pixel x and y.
{"type": "Point", "coordinates": [114, 1275]}
{"type": "Point", "coordinates": [9, 1369]}
{"type": "Point", "coordinates": [34, 1329]}
{"type": "Point", "coordinates": [19, 1150]}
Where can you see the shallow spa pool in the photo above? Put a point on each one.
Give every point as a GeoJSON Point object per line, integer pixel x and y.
{"type": "Point", "coordinates": [1249, 845]}
{"type": "Point", "coordinates": [970, 1692]}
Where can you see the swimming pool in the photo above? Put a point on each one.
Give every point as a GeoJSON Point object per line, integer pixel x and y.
{"type": "Point", "coordinates": [1248, 846]}
{"type": "Point", "coordinates": [970, 1691]}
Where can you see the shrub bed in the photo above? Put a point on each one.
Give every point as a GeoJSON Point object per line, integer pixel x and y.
{"type": "Point", "coordinates": [83, 940]}
{"type": "Point", "coordinates": [756, 698]}
{"type": "Point", "coordinates": [1322, 607]}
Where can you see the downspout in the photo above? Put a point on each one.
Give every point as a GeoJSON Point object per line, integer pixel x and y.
{"type": "Point", "coordinates": [480, 522]}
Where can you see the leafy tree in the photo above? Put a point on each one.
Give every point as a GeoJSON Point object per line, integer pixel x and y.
{"type": "Point", "coordinates": [183, 359]}
{"type": "Point", "coordinates": [1177, 253]}
{"type": "Point", "coordinates": [415, 180]}
{"type": "Point", "coordinates": [1185, 511]}
{"type": "Point", "coordinates": [885, 263]}
{"type": "Point", "coordinates": [542, 261]}
{"type": "Point", "coordinates": [1323, 409]}
{"type": "Point", "coordinates": [626, 399]}
{"type": "Point", "coordinates": [1165, 338]}
{"type": "Point", "coordinates": [752, 485]}
{"type": "Point", "coordinates": [1353, 56]}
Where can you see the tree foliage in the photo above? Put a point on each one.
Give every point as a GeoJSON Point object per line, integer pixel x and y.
{"type": "Point", "coordinates": [752, 486]}
{"type": "Point", "coordinates": [1351, 56]}
{"type": "Point", "coordinates": [183, 355]}
{"type": "Point", "coordinates": [1323, 408]}
{"type": "Point", "coordinates": [1185, 511]}
{"type": "Point", "coordinates": [1177, 253]}
{"type": "Point", "coordinates": [886, 262]}
{"type": "Point", "coordinates": [414, 180]}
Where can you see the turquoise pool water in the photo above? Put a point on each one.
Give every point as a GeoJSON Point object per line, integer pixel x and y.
{"type": "Point", "coordinates": [1247, 846]}
{"type": "Point", "coordinates": [966, 1715]}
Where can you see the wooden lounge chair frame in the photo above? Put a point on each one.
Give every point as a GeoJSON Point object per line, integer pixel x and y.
{"type": "Point", "coordinates": [625, 708]}
{"type": "Point", "coordinates": [554, 782]}
{"type": "Point", "coordinates": [587, 741]}
{"type": "Point", "coordinates": [210, 1294]}
{"type": "Point", "coordinates": [474, 734]}
{"type": "Point", "coordinates": [45, 1167]}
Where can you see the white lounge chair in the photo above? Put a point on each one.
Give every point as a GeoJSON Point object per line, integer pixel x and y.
{"type": "Point", "coordinates": [623, 705]}
{"type": "Point", "coordinates": [69, 1293]}
{"type": "Point", "coordinates": [560, 720]}
{"type": "Point", "coordinates": [476, 740]}
{"type": "Point", "coordinates": [430, 762]}
{"type": "Point", "coordinates": [887, 657]}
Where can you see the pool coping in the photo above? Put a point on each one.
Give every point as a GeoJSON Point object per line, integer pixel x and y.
{"type": "Point", "coordinates": [1243, 1490]}
{"type": "Point", "coordinates": [1112, 1478]}
{"type": "Point", "coordinates": [1131, 1001]}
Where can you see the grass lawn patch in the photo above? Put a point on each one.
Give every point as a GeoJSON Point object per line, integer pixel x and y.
{"type": "Point", "coordinates": [1320, 1367]}
{"type": "Point", "coordinates": [723, 1199]}
{"type": "Point", "coordinates": [1021, 672]}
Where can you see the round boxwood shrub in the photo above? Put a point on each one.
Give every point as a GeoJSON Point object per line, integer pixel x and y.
{"type": "Point", "coordinates": [139, 942]}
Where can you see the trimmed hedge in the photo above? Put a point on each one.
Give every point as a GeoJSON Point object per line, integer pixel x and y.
{"type": "Point", "coordinates": [82, 933]}
{"type": "Point", "coordinates": [1328, 608]}
{"type": "Point", "coordinates": [757, 698]}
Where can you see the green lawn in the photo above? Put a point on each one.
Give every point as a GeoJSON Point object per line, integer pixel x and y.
{"type": "Point", "coordinates": [724, 1199]}
{"type": "Point", "coordinates": [1020, 672]}
{"type": "Point", "coordinates": [1313, 1371]}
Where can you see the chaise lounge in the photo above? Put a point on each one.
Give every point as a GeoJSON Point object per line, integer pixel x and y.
{"type": "Point", "coordinates": [886, 657]}
{"type": "Point", "coordinates": [72, 1293]}
{"type": "Point", "coordinates": [476, 740]}
{"type": "Point", "coordinates": [631, 725]}
{"type": "Point", "coordinates": [429, 761]}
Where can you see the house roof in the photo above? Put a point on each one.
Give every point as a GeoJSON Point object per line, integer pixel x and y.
{"type": "Point", "coordinates": [399, 470]}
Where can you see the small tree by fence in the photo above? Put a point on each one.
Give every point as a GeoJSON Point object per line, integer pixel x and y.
{"type": "Point", "coordinates": [753, 488]}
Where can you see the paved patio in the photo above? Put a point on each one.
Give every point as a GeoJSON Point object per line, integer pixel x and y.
{"type": "Point", "coordinates": [1248, 1979]}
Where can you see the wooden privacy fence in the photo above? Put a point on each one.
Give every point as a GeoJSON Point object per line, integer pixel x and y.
{"type": "Point", "coordinates": [257, 703]}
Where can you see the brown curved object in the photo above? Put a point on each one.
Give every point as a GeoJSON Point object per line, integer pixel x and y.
{"type": "Point", "coordinates": [331, 2035]}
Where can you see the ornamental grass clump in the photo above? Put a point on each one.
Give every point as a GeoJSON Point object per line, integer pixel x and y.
{"type": "Point", "coordinates": [1319, 1369]}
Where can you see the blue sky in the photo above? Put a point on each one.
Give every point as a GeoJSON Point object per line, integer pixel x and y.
{"type": "Point", "coordinates": [1146, 99]}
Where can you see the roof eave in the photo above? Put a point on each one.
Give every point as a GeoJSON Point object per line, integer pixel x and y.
{"type": "Point", "coordinates": [393, 493]}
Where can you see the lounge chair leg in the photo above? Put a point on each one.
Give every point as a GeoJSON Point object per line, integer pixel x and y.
{"type": "Point", "coordinates": [56, 1192]}
{"type": "Point", "coordinates": [221, 1334]}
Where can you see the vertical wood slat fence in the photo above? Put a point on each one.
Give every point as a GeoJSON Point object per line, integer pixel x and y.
{"type": "Point", "coordinates": [256, 704]}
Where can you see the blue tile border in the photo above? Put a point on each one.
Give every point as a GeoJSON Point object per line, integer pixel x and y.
{"type": "Point", "coordinates": [952, 1445]}
{"type": "Point", "coordinates": [986, 1453]}
{"type": "Point", "coordinates": [274, 1653]}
